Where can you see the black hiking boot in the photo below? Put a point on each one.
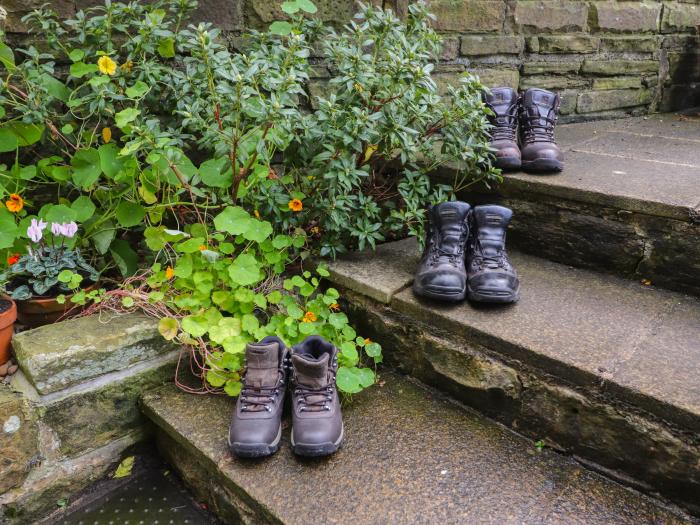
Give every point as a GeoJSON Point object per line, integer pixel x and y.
{"type": "Point", "coordinates": [441, 274]}
{"type": "Point", "coordinates": [492, 278]}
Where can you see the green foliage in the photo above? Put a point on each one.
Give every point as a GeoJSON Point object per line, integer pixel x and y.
{"type": "Point", "coordinates": [230, 288]}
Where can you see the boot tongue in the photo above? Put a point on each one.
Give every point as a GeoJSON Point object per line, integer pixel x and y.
{"type": "Point", "coordinates": [451, 223]}
{"type": "Point", "coordinates": [310, 371]}
{"type": "Point", "coordinates": [492, 222]}
{"type": "Point", "coordinates": [539, 103]}
{"type": "Point", "coordinates": [501, 100]}
{"type": "Point", "coordinates": [262, 363]}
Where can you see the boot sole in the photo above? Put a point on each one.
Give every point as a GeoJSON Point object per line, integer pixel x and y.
{"type": "Point", "coordinates": [314, 450]}
{"type": "Point", "coordinates": [256, 450]}
{"type": "Point", "coordinates": [437, 294]}
{"type": "Point", "coordinates": [481, 296]}
{"type": "Point", "coordinates": [508, 163]}
{"type": "Point", "coordinates": [543, 165]}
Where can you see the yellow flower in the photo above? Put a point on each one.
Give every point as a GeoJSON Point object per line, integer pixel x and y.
{"type": "Point", "coordinates": [295, 205]}
{"type": "Point", "coordinates": [169, 272]}
{"type": "Point", "coordinates": [15, 203]}
{"type": "Point", "coordinates": [127, 66]}
{"type": "Point", "coordinates": [107, 135]}
{"type": "Point", "coordinates": [309, 317]}
{"type": "Point", "coordinates": [368, 341]}
{"type": "Point", "coordinates": [257, 214]}
{"type": "Point", "coordinates": [106, 65]}
{"type": "Point", "coordinates": [335, 307]}
{"type": "Point", "coordinates": [315, 230]}
{"type": "Point", "coordinates": [646, 282]}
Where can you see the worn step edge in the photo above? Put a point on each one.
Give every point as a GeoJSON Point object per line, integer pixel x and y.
{"type": "Point", "coordinates": [476, 455]}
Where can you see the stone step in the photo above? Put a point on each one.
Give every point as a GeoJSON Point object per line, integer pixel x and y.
{"type": "Point", "coordinates": [409, 456]}
{"type": "Point", "coordinates": [599, 366]}
{"type": "Point", "coordinates": [627, 202]}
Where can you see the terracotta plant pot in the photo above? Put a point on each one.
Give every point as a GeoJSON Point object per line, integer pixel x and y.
{"type": "Point", "coordinates": [7, 323]}
{"type": "Point", "coordinates": [34, 313]}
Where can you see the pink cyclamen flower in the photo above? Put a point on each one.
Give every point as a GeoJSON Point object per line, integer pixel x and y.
{"type": "Point", "coordinates": [69, 229]}
{"type": "Point", "coordinates": [35, 230]}
{"type": "Point", "coordinates": [56, 228]}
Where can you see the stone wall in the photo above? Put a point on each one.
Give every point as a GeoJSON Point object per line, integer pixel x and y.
{"type": "Point", "coordinates": [608, 58]}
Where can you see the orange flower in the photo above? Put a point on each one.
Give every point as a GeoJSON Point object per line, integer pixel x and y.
{"type": "Point", "coordinates": [335, 307]}
{"type": "Point", "coordinates": [15, 203]}
{"type": "Point", "coordinates": [169, 272]}
{"type": "Point", "coordinates": [295, 205]}
{"type": "Point", "coordinates": [309, 317]}
{"type": "Point", "coordinates": [107, 135]}
{"type": "Point", "coordinates": [202, 247]}
{"type": "Point", "coordinates": [257, 214]}
{"type": "Point", "coordinates": [12, 259]}
{"type": "Point", "coordinates": [272, 174]}
{"type": "Point", "coordinates": [368, 341]}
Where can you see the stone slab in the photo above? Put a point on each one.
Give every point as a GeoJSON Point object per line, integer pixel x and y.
{"type": "Point", "coordinates": [63, 354]}
{"type": "Point", "coordinates": [647, 165]}
{"type": "Point", "coordinates": [573, 323]}
{"type": "Point", "coordinates": [409, 456]}
{"type": "Point", "coordinates": [616, 181]}
{"type": "Point", "coordinates": [355, 269]}
{"type": "Point", "coordinates": [586, 328]}
{"type": "Point", "coordinates": [666, 366]}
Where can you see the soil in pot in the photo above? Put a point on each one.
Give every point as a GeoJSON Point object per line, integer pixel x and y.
{"type": "Point", "coordinates": [8, 315]}
{"type": "Point", "coordinates": [40, 311]}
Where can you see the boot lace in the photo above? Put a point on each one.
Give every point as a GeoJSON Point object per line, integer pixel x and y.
{"type": "Point", "coordinates": [538, 128]}
{"type": "Point", "coordinates": [490, 261]}
{"type": "Point", "coordinates": [438, 254]}
{"type": "Point", "coordinates": [314, 399]}
{"type": "Point", "coordinates": [254, 397]}
{"type": "Point", "coordinates": [504, 126]}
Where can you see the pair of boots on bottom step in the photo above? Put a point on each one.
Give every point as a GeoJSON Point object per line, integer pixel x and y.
{"type": "Point", "coordinates": [523, 129]}
{"type": "Point", "coordinates": [310, 368]}
{"type": "Point", "coordinates": [465, 255]}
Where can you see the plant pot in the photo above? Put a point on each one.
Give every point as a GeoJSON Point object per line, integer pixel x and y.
{"type": "Point", "coordinates": [41, 311]}
{"type": "Point", "coordinates": [7, 323]}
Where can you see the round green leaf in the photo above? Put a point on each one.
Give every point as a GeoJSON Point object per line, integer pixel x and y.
{"type": "Point", "coordinates": [245, 270]}
{"type": "Point", "coordinates": [168, 328]}
{"type": "Point", "coordinates": [130, 213]}
{"type": "Point", "coordinates": [83, 208]}
{"type": "Point", "coordinates": [195, 325]}
{"type": "Point", "coordinates": [86, 167]}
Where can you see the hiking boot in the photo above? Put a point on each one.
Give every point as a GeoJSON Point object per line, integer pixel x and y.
{"type": "Point", "coordinates": [538, 115]}
{"type": "Point", "coordinates": [504, 102]}
{"type": "Point", "coordinates": [441, 274]}
{"type": "Point", "coordinates": [256, 425]}
{"type": "Point", "coordinates": [492, 278]}
{"type": "Point", "coordinates": [317, 424]}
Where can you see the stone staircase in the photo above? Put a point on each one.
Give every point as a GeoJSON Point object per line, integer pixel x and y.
{"type": "Point", "coordinates": [591, 363]}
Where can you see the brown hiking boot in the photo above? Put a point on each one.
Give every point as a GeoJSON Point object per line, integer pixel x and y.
{"type": "Point", "coordinates": [317, 424]}
{"type": "Point", "coordinates": [504, 103]}
{"type": "Point", "coordinates": [538, 115]}
{"type": "Point", "coordinates": [256, 425]}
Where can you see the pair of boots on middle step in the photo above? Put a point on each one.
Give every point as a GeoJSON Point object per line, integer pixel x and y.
{"type": "Point", "coordinates": [465, 255]}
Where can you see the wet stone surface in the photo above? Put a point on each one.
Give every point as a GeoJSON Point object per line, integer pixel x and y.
{"type": "Point", "coordinates": [409, 456]}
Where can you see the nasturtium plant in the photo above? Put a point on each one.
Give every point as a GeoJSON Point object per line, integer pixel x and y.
{"type": "Point", "coordinates": [218, 290]}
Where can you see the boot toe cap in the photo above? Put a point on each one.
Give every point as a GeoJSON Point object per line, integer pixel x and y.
{"type": "Point", "coordinates": [442, 282]}
{"type": "Point", "coordinates": [254, 431]}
